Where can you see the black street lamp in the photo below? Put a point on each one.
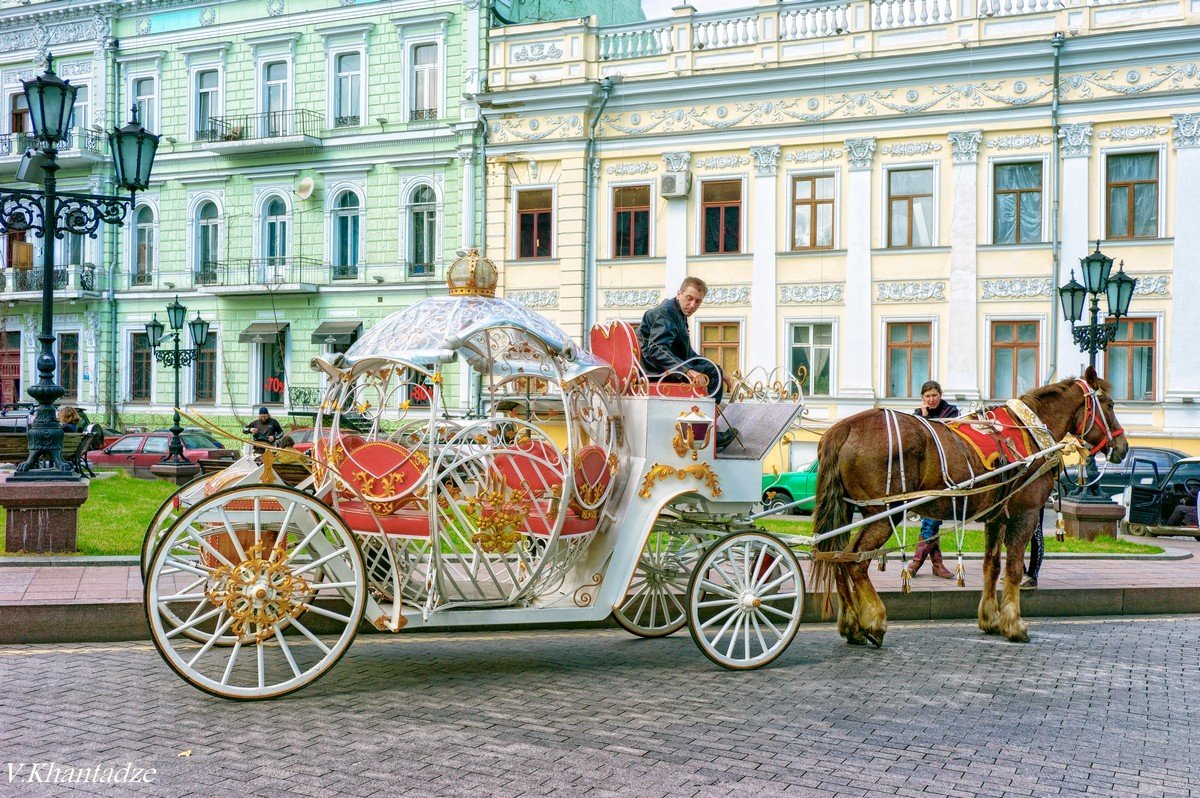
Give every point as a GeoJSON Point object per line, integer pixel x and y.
{"type": "Point", "coordinates": [50, 214]}
{"type": "Point", "coordinates": [177, 359]}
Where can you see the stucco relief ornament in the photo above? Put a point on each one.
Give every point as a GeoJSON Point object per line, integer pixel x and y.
{"type": "Point", "coordinates": [346, 3]}
{"type": "Point", "coordinates": [1022, 141]}
{"type": "Point", "coordinates": [1133, 132]}
{"type": "Point", "coordinates": [632, 297]}
{"type": "Point", "coordinates": [677, 161]}
{"type": "Point", "coordinates": [911, 148]}
{"type": "Point", "coordinates": [813, 156]}
{"type": "Point", "coordinates": [636, 168]}
{"type": "Point", "coordinates": [274, 8]}
{"type": "Point", "coordinates": [542, 51]}
{"type": "Point", "coordinates": [535, 299]}
{"type": "Point", "coordinates": [1153, 284]}
{"type": "Point", "coordinates": [30, 321]}
{"type": "Point", "coordinates": [766, 160]}
{"type": "Point", "coordinates": [1187, 130]}
{"type": "Point", "coordinates": [1076, 140]}
{"type": "Point", "coordinates": [207, 17]}
{"type": "Point", "coordinates": [966, 145]}
{"type": "Point", "coordinates": [804, 293]}
{"type": "Point", "coordinates": [142, 26]}
{"type": "Point", "coordinates": [722, 161]}
{"type": "Point", "coordinates": [911, 292]}
{"type": "Point", "coordinates": [92, 323]}
{"type": "Point", "coordinates": [1016, 288]}
{"type": "Point", "coordinates": [861, 152]}
{"type": "Point", "coordinates": [728, 295]}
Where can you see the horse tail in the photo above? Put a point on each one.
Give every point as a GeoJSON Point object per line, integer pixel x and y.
{"type": "Point", "coordinates": [831, 511]}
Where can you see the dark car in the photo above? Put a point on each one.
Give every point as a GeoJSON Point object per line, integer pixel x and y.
{"type": "Point", "coordinates": [199, 434]}
{"type": "Point", "coordinates": [1165, 508]}
{"type": "Point", "coordinates": [141, 450]}
{"type": "Point", "coordinates": [1148, 465]}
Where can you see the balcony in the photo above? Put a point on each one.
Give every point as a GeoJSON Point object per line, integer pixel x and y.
{"type": "Point", "coordinates": [290, 275]}
{"type": "Point", "coordinates": [245, 134]}
{"type": "Point", "coordinates": [423, 115]}
{"type": "Point", "coordinates": [75, 281]}
{"type": "Point", "coordinates": [79, 148]}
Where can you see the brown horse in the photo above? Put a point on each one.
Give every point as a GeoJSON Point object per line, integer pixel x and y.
{"type": "Point", "coordinates": [855, 463]}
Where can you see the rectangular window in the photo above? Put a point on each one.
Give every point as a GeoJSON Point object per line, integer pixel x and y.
{"type": "Point", "coordinates": [140, 368]}
{"type": "Point", "coordinates": [70, 250]}
{"type": "Point", "coordinates": [79, 113]}
{"type": "Point", "coordinates": [145, 97]}
{"type": "Point", "coordinates": [910, 208]}
{"type": "Point", "coordinates": [1129, 361]}
{"type": "Point", "coordinates": [204, 374]}
{"type": "Point", "coordinates": [812, 354]}
{"type": "Point", "coordinates": [909, 355]}
{"type": "Point", "coordinates": [18, 114]}
{"type": "Point", "coordinates": [721, 210]}
{"type": "Point", "coordinates": [1017, 203]}
{"type": "Point", "coordinates": [347, 90]}
{"type": "Point", "coordinates": [425, 83]}
{"type": "Point", "coordinates": [631, 222]}
{"type": "Point", "coordinates": [275, 99]}
{"type": "Point", "coordinates": [10, 368]}
{"type": "Point", "coordinates": [812, 212]}
{"type": "Point", "coordinates": [207, 103]}
{"type": "Point", "coordinates": [1014, 358]}
{"type": "Point", "coordinates": [270, 361]}
{"type": "Point", "coordinates": [534, 225]}
{"type": "Point", "coordinates": [68, 364]}
{"type": "Point", "coordinates": [720, 342]}
{"type": "Point", "coordinates": [1132, 195]}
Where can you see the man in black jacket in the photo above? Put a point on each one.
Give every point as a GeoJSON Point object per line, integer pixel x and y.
{"type": "Point", "coordinates": [666, 345]}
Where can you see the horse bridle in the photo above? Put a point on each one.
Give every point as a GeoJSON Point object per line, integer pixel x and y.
{"type": "Point", "coordinates": [1093, 416]}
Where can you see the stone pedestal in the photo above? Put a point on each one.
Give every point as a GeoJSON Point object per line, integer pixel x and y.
{"type": "Point", "coordinates": [1085, 520]}
{"type": "Point", "coordinates": [179, 473]}
{"type": "Point", "coordinates": [42, 517]}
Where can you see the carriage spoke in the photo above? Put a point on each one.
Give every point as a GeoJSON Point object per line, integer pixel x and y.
{"type": "Point", "coordinates": [712, 587]}
{"type": "Point", "coordinates": [303, 543]}
{"type": "Point", "coordinates": [322, 561]}
{"type": "Point", "coordinates": [194, 621]}
{"type": "Point", "coordinates": [233, 654]}
{"type": "Point", "coordinates": [209, 644]}
{"type": "Point", "coordinates": [262, 665]}
{"type": "Point", "coordinates": [287, 651]}
{"type": "Point", "coordinates": [233, 536]}
{"type": "Point", "coordinates": [185, 567]}
{"type": "Point", "coordinates": [733, 636]}
{"type": "Point", "coordinates": [305, 631]}
{"type": "Point", "coordinates": [328, 613]}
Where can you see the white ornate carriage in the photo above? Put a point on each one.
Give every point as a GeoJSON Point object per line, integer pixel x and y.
{"type": "Point", "coordinates": [473, 465]}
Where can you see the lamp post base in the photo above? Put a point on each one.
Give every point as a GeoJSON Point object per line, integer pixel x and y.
{"type": "Point", "coordinates": [42, 516]}
{"type": "Point", "coordinates": [179, 473]}
{"type": "Point", "coordinates": [1086, 520]}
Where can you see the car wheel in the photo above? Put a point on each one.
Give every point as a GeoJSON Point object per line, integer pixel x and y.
{"type": "Point", "coordinates": [774, 499]}
{"type": "Point", "coordinates": [1137, 530]}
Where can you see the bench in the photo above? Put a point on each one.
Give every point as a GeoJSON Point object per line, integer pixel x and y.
{"type": "Point", "coordinates": [14, 447]}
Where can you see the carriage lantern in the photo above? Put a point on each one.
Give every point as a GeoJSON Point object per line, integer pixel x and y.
{"type": "Point", "coordinates": [691, 432]}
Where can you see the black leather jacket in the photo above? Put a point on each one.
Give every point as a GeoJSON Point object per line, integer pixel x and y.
{"type": "Point", "coordinates": [943, 410]}
{"type": "Point", "coordinates": [663, 338]}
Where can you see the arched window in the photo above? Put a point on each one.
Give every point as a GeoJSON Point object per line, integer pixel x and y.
{"type": "Point", "coordinates": [144, 247]}
{"type": "Point", "coordinates": [274, 241]}
{"type": "Point", "coordinates": [422, 232]}
{"type": "Point", "coordinates": [346, 216]}
{"type": "Point", "coordinates": [208, 226]}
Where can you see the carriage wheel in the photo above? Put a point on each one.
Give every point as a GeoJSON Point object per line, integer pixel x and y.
{"type": "Point", "coordinates": [240, 568]}
{"type": "Point", "coordinates": [654, 601]}
{"type": "Point", "coordinates": [745, 600]}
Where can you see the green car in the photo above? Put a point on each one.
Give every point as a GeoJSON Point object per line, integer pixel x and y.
{"type": "Point", "coordinates": [789, 486]}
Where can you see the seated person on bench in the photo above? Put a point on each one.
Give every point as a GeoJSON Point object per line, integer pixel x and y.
{"type": "Point", "coordinates": [666, 346]}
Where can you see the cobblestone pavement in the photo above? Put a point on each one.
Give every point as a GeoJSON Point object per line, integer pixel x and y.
{"type": "Point", "coordinates": [1090, 707]}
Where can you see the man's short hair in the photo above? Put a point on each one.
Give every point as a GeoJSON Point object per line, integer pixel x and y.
{"type": "Point", "coordinates": [694, 282]}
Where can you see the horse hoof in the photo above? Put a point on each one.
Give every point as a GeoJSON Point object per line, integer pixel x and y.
{"type": "Point", "coordinates": [875, 641]}
{"type": "Point", "coordinates": [1020, 636]}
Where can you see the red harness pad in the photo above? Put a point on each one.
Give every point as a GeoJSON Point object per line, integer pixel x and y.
{"type": "Point", "coordinates": [1010, 442]}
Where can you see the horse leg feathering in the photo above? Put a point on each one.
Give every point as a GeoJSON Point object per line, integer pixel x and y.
{"type": "Point", "coordinates": [989, 608]}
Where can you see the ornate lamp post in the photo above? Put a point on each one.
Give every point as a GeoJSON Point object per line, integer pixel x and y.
{"type": "Point", "coordinates": [176, 359]}
{"type": "Point", "coordinates": [50, 214]}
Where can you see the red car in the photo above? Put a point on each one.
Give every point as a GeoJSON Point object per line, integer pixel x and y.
{"type": "Point", "coordinates": [144, 449]}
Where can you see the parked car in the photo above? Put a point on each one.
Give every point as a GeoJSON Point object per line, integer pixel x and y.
{"type": "Point", "coordinates": [790, 486]}
{"type": "Point", "coordinates": [1148, 464]}
{"type": "Point", "coordinates": [199, 434]}
{"type": "Point", "coordinates": [1165, 506]}
{"type": "Point", "coordinates": [143, 449]}
{"type": "Point", "coordinates": [303, 438]}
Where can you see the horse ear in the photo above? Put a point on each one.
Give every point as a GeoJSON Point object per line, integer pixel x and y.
{"type": "Point", "coordinates": [1090, 376]}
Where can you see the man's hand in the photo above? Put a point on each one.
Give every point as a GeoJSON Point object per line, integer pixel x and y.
{"type": "Point", "coordinates": [698, 379]}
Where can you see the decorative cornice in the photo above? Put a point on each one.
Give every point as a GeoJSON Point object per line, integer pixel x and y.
{"type": "Point", "coordinates": [810, 293]}
{"type": "Point", "coordinates": [861, 152]}
{"type": "Point", "coordinates": [766, 160]}
{"type": "Point", "coordinates": [533, 53]}
{"type": "Point", "coordinates": [534, 299]}
{"type": "Point", "coordinates": [922, 291]}
{"type": "Point", "coordinates": [677, 161]}
{"type": "Point", "coordinates": [632, 297]}
{"type": "Point", "coordinates": [1016, 287]}
{"type": "Point", "coordinates": [911, 148]}
{"type": "Point", "coordinates": [1022, 141]}
{"type": "Point", "coordinates": [1076, 139]}
{"type": "Point", "coordinates": [1133, 132]}
{"type": "Point", "coordinates": [813, 156]}
{"type": "Point", "coordinates": [1187, 130]}
{"type": "Point", "coordinates": [728, 295]}
{"type": "Point", "coordinates": [965, 144]}
{"type": "Point", "coordinates": [635, 168]}
{"type": "Point", "coordinates": [718, 162]}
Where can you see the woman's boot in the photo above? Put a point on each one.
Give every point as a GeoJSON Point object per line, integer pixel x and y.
{"type": "Point", "coordinates": [935, 556]}
{"type": "Point", "coordinates": [918, 557]}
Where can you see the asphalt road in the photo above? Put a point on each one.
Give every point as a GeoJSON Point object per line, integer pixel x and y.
{"type": "Point", "coordinates": [1089, 707]}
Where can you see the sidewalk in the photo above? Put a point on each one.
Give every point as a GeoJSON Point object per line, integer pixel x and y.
{"type": "Point", "coordinates": [95, 603]}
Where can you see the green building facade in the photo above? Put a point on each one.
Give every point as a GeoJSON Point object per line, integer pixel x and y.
{"type": "Point", "coordinates": [318, 170]}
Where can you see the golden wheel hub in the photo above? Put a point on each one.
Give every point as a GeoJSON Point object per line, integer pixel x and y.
{"type": "Point", "coordinates": [258, 594]}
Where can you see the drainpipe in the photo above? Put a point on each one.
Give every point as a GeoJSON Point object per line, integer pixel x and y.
{"type": "Point", "coordinates": [1055, 243]}
{"type": "Point", "coordinates": [113, 251]}
{"type": "Point", "coordinates": [590, 178]}
{"type": "Point", "coordinates": [479, 138]}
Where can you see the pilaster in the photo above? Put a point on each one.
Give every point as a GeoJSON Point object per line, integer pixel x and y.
{"type": "Point", "coordinates": [1076, 153]}
{"type": "Point", "coordinates": [856, 352]}
{"type": "Point", "coordinates": [761, 332]}
{"type": "Point", "coordinates": [1182, 396]}
{"type": "Point", "coordinates": [962, 371]}
{"type": "Point", "coordinates": [676, 263]}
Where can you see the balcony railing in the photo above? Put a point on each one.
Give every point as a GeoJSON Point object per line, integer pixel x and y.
{"type": "Point", "coordinates": [420, 269]}
{"type": "Point", "coordinates": [76, 142]}
{"type": "Point", "coordinates": [423, 115]}
{"type": "Point", "coordinates": [268, 125]}
{"type": "Point", "coordinates": [346, 121]}
{"type": "Point", "coordinates": [77, 277]}
{"type": "Point", "coordinates": [260, 271]}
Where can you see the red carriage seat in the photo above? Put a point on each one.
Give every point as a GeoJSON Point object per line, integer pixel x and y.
{"type": "Point", "coordinates": [379, 470]}
{"type": "Point", "coordinates": [617, 344]}
{"type": "Point", "coordinates": [538, 470]}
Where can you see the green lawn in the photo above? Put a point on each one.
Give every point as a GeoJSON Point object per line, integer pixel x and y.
{"type": "Point", "coordinates": [973, 540]}
{"type": "Point", "coordinates": [113, 520]}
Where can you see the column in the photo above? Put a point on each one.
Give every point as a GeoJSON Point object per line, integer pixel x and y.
{"type": "Point", "coordinates": [677, 229]}
{"type": "Point", "coordinates": [761, 332]}
{"type": "Point", "coordinates": [1182, 378]}
{"type": "Point", "coordinates": [466, 156]}
{"type": "Point", "coordinates": [1076, 152]}
{"type": "Point", "coordinates": [962, 371]}
{"type": "Point", "coordinates": [856, 361]}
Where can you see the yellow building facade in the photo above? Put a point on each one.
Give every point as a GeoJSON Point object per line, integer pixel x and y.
{"type": "Point", "coordinates": [882, 192]}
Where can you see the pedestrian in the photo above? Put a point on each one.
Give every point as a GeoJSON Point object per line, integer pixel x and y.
{"type": "Point", "coordinates": [1037, 551]}
{"type": "Point", "coordinates": [264, 429]}
{"type": "Point", "coordinates": [930, 544]}
{"type": "Point", "coordinates": [68, 419]}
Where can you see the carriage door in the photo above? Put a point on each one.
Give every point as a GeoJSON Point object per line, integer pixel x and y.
{"type": "Point", "coordinates": [1145, 499]}
{"type": "Point", "coordinates": [10, 368]}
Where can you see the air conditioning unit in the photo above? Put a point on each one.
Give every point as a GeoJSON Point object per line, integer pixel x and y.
{"type": "Point", "coordinates": [675, 184]}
